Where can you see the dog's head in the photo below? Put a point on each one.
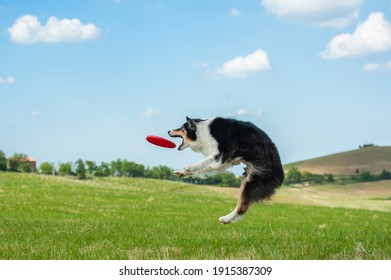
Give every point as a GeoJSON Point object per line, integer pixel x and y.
{"type": "Point", "coordinates": [187, 132]}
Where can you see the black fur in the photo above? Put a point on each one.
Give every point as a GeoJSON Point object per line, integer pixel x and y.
{"type": "Point", "coordinates": [191, 128]}
{"type": "Point", "coordinates": [238, 139]}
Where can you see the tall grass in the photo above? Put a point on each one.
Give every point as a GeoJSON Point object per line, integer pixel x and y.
{"type": "Point", "coordinates": [112, 218]}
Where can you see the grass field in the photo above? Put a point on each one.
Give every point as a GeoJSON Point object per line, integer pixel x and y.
{"type": "Point", "coordinates": [62, 218]}
{"type": "Point", "coordinates": [368, 195]}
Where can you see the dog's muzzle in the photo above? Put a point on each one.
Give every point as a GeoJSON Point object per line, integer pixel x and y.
{"type": "Point", "coordinates": [172, 133]}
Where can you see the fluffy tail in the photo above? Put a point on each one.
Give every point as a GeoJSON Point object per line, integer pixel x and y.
{"type": "Point", "coordinates": [262, 180]}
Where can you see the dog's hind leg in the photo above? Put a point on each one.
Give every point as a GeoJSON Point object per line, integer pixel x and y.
{"type": "Point", "coordinates": [231, 217]}
{"type": "Point", "coordinates": [242, 205]}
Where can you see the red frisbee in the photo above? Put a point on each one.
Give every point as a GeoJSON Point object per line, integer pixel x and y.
{"type": "Point", "coordinates": [160, 141]}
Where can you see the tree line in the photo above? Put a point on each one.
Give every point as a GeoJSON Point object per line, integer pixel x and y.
{"type": "Point", "coordinates": [86, 169]}
{"type": "Point", "coordinates": [295, 176]}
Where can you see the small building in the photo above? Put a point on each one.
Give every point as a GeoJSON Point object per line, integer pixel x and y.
{"type": "Point", "coordinates": [31, 162]}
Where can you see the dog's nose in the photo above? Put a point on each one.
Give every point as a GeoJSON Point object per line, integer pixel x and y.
{"type": "Point", "coordinates": [169, 132]}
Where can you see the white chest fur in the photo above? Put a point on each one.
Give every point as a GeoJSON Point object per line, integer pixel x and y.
{"type": "Point", "coordinates": [205, 143]}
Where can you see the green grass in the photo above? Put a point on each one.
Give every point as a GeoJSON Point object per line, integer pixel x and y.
{"type": "Point", "coordinates": [62, 218]}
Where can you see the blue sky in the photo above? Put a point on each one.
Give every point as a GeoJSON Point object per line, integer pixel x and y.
{"type": "Point", "coordinates": [90, 79]}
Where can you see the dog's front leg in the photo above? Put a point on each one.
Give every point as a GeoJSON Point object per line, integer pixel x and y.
{"type": "Point", "coordinates": [199, 168]}
{"type": "Point", "coordinates": [204, 164]}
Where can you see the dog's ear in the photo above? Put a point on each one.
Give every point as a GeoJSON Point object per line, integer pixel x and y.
{"type": "Point", "coordinates": [191, 123]}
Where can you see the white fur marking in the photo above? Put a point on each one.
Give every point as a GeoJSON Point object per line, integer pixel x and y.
{"type": "Point", "coordinates": [231, 217]}
{"type": "Point", "coordinates": [205, 143]}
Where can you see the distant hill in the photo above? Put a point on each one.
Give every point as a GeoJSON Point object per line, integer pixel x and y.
{"type": "Point", "coordinates": [373, 159]}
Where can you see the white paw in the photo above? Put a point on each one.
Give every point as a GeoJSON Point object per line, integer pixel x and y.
{"type": "Point", "coordinates": [179, 173]}
{"type": "Point", "coordinates": [224, 220]}
{"type": "Point", "coordinates": [187, 168]}
{"type": "Point", "coordinates": [182, 174]}
{"type": "Point", "coordinates": [230, 218]}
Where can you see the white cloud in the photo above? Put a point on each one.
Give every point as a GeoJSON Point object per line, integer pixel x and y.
{"type": "Point", "coordinates": [235, 12]}
{"type": "Point", "coordinates": [203, 65]}
{"type": "Point", "coordinates": [28, 29]}
{"type": "Point", "coordinates": [371, 36]}
{"type": "Point", "coordinates": [7, 81]}
{"type": "Point", "coordinates": [150, 113]}
{"type": "Point", "coordinates": [241, 67]}
{"type": "Point", "coordinates": [340, 22]}
{"type": "Point", "coordinates": [258, 113]}
{"type": "Point", "coordinates": [241, 112]}
{"type": "Point", "coordinates": [377, 68]}
{"type": "Point", "coordinates": [36, 114]}
{"type": "Point", "coordinates": [244, 112]}
{"type": "Point", "coordinates": [326, 13]}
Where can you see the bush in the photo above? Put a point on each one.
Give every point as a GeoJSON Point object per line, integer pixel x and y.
{"type": "Point", "coordinates": [367, 146]}
{"type": "Point", "coordinates": [80, 169]}
{"type": "Point", "coordinates": [3, 161]}
{"type": "Point", "coordinates": [293, 176]}
{"type": "Point", "coordinates": [160, 172]}
{"type": "Point", "coordinates": [25, 167]}
{"type": "Point", "coordinates": [65, 169]}
{"type": "Point", "coordinates": [103, 170]}
{"type": "Point", "coordinates": [385, 175]}
{"type": "Point", "coordinates": [366, 176]}
{"type": "Point", "coordinates": [225, 180]}
{"type": "Point", "coordinates": [46, 168]}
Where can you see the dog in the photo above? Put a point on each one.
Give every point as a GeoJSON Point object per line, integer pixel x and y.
{"type": "Point", "coordinates": [227, 142]}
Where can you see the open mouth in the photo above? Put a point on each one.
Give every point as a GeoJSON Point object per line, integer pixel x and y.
{"type": "Point", "coordinates": [172, 134]}
{"type": "Point", "coordinates": [182, 145]}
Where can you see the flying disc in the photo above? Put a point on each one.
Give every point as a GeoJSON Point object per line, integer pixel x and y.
{"type": "Point", "coordinates": [160, 141]}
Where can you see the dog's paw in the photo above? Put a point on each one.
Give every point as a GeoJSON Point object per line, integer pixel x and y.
{"type": "Point", "coordinates": [230, 218]}
{"type": "Point", "coordinates": [223, 220]}
{"type": "Point", "coordinates": [182, 174]}
{"type": "Point", "coordinates": [187, 168]}
{"type": "Point", "coordinates": [179, 174]}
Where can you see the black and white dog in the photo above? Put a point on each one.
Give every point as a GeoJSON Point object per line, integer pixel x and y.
{"type": "Point", "coordinates": [227, 142]}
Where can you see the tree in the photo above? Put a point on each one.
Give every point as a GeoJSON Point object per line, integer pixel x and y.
{"type": "Point", "coordinates": [365, 176]}
{"type": "Point", "coordinates": [160, 172]}
{"type": "Point", "coordinates": [367, 146]}
{"type": "Point", "coordinates": [25, 167]}
{"type": "Point", "coordinates": [46, 168]}
{"type": "Point", "coordinates": [305, 176]}
{"type": "Point", "coordinates": [116, 168]}
{"type": "Point", "coordinates": [329, 178]}
{"type": "Point", "coordinates": [80, 169]}
{"type": "Point", "coordinates": [91, 167]}
{"type": "Point", "coordinates": [15, 162]}
{"type": "Point", "coordinates": [385, 175]}
{"type": "Point", "coordinates": [293, 176]}
{"type": "Point", "coordinates": [132, 169]}
{"type": "Point", "coordinates": [227, 179]}
{"type": "Point", "coordinates": [3, 161]}
{"type": "Point", "coordinates": [103, 170]}
{"type": "Point", "coordinates": [65, 169]}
